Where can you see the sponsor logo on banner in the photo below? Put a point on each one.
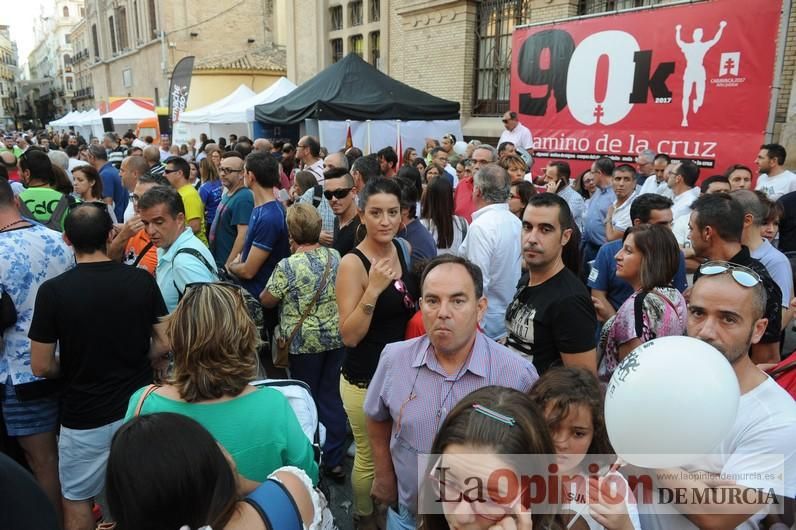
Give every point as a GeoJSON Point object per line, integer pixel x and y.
{"type": "Point", "coordinates": [608, 86]}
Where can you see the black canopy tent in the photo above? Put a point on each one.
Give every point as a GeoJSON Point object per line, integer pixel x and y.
{"type": "Point", "coordinates": [352, 89]}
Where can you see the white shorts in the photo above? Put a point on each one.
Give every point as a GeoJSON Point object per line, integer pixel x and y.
{"type": "Point", "coordinates": [82, 459]}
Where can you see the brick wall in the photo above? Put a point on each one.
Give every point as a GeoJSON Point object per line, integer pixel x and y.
{"type": "Point", "coordinates": [432, 47]}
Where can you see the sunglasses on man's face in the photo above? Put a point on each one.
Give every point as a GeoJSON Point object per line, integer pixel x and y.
{"type": "Point", "coordinates": [342, 193]}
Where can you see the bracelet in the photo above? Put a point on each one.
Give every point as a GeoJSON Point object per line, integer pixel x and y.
{"type": "Point", "coordinates": [367, 308]}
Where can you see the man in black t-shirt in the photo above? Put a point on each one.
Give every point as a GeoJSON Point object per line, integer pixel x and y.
{"type": "Point", "coordinates": [551, 318]}
{"type": "Point", "coordinates": [340, 191]}
{"type": "Point", "coordinates": [103, 315]}
{"type": "Point", "coordinates": [715, 229]}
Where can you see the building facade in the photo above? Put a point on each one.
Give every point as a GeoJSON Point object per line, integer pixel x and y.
{"type": "Point", "coordinates": [83, 94]}
{"type": "Point", "coordinates": [133, 45]}
{"type": "Point", "coordinates": [48, 90]}
{"type": "Point", "coordinates": [461, 49]}
{"type": "Point", "coordinates": [8, 80]}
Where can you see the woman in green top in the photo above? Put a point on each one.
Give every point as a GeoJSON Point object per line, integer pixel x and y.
{"type": "Point", "coordinates": [215, 356]}
{"type": "Point", "coordinates": [303, 286]}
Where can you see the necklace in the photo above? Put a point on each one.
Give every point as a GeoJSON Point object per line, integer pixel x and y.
{"type": "Point", "coordinates": [9, 225]}
{"type": "Point", "coordinates": [441, 410]}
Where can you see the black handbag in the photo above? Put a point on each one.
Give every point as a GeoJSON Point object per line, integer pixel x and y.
{"type": "Point", "coordinates": [8, 313]}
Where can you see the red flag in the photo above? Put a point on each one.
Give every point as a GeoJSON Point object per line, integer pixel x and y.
{"type": "Point", "coordinates": [349, 141]}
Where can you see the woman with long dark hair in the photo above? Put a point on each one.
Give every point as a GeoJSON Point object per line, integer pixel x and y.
{"type": "Point", "coordinates": [436, 214]}
{"type": "Point", "coordinates": [165, 472]}
{"type": "Point", "coordinates": [376, 294]}
{"type": "Point", "coordinates": [571, 400]}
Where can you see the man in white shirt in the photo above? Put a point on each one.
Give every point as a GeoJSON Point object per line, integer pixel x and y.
{"type": "Point", "coordinates": [774, 180]}
{"type": "Point", "coordinates": [729, 316]}
{"type": "Point", "coordinates": [493, 243]}
{"type": "Point", "coordinates": [682, 182]}
{"type": "Point", "coordinates": [657, 182]}
{"type": "Point", "coordinates": [308, 151]}
{"type": "Point", "coordinates": [516, 133]}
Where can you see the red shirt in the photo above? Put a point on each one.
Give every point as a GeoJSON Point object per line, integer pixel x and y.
{"type": "Point", "coordinates": [463, 203]}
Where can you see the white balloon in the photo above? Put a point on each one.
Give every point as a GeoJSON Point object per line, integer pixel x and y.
{"type": "Point", "coordinates": [670, 398]}
{"type": "Point", "coordinates": [460, 147]}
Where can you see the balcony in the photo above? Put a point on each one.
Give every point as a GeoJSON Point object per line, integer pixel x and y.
{"type": "Point", "coordinates": [83, 93]}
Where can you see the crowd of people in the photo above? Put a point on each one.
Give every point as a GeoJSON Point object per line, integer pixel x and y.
{"type": "Point", "coordinates": [462, 302]}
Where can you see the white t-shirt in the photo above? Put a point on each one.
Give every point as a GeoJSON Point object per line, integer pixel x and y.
{"type": "Point", "coordinates": [620, 220]}
{"type": "Point", "coordinates": [459, 232]}
{"type": "Point", "coordinates": [651, 185]}
{"type": "Point", "coordinates": [682, 202]}
{"type": "Point", "coordinates": [776, 187]}
{"type": "Point", "coordinates": [765, 425]}
{"type": "Point", "coordinates": [680, 230]}
{"type": "Point", "coordinates": [521, 136]}
{"type": "Point", "coordinates": [577, 506]}
{"type": "Point", "coordinates": [778, 267]}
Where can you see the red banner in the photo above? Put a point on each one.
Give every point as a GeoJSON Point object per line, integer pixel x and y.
{"type": "Point", "coordinates": [692, 81]}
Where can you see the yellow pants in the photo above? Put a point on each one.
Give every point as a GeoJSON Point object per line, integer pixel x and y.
{"type": "Point", "coordinates": [363, 472]}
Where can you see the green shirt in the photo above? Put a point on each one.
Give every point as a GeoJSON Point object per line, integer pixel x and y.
{"type": "Point", "coordinates": [42, 202]}
{"type": "Point", "coordinates": [295, 281]}
{"type": "Point", "coordinates": [258, 429]}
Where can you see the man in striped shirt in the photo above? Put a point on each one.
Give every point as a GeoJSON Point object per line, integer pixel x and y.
{"type": "Point", "coordinates": [419, 381]}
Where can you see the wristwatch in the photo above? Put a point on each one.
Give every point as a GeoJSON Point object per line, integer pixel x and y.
{"type": "Point", "coordinates": [367, 308]}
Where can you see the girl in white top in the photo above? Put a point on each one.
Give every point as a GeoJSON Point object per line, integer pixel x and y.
{"type": "Point", "coordinates": [572, 403]}
{"type": "Point", "coordinates": [88, 186]}
{"type": "Point", "coordinates": [436, 214]}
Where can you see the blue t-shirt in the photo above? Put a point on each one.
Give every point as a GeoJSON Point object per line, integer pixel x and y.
{"type": "Point", "coordinates": [234, 210]}
{"type": "Point", "coordinates": [210, 192]}
{"type": "Point", "coordinates": [603, 275]}
{"type": "Point", "coordinates": [268, 232]}
{"type": "Point", "coordinates": [112, 187]}
{"type": "Point", "coordinates": [594, 225]}
{"type": "Point", "coordinates": [423, 245]}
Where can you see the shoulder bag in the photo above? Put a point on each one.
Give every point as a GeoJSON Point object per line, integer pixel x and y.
{"type": "Point", "coordinates": [279, 354]}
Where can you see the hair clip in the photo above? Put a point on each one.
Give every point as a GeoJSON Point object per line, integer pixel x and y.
{"type": "Point", "coordinates": [508, 420]}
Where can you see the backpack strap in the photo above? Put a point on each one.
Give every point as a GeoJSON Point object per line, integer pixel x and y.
{"type": "Point", "coordinates": [317, 196]}
{"type": "Point", "coordinates": [638, 313]}
{"type": "Point", "coordinates": [142, 254]}
{"type": "Point", "coordinates": [404, 250]}
{"type": "Point", "coordinates": [24, 211]}
{"type": "Point", "coordinates": [65, 203]}
{"type": "Point", "coordinates": [196, 254]}
{"type": "Point", "coordinates": [275, 506]}
{"type": "Point", "coordinates": [144, 395]}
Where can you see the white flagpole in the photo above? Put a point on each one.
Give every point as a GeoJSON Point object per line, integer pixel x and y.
{"type": "Point", "coordinates": [368, 146]}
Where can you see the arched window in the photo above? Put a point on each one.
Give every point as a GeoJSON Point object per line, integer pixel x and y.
{"type": "Point", "coordinates": [66, 11]}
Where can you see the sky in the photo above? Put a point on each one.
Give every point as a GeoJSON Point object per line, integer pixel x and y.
{"type": "Point", "coordinates": [21, 18]}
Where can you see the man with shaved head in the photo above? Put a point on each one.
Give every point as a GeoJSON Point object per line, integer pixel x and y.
{"type": "Point", "coordinates": [152, 157]}
{"type": "Point", "coordinates": [262, 145]}
{"type": "Point", "coordinates": [132, 167]}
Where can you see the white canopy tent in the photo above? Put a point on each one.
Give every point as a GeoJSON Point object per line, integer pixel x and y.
{"type": "Point", "coordinates": [195, 122]}
{"type": "Point", "coordinates": [128, 113]}
{"type": "Point", "coordinates": [88, 124]}
{"type": "Point", "coordinates": [376, 134]}
{"type": "Point", "coordinates": [237, 116]}
{"type": "Point", "coordinates": [60, 122]}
